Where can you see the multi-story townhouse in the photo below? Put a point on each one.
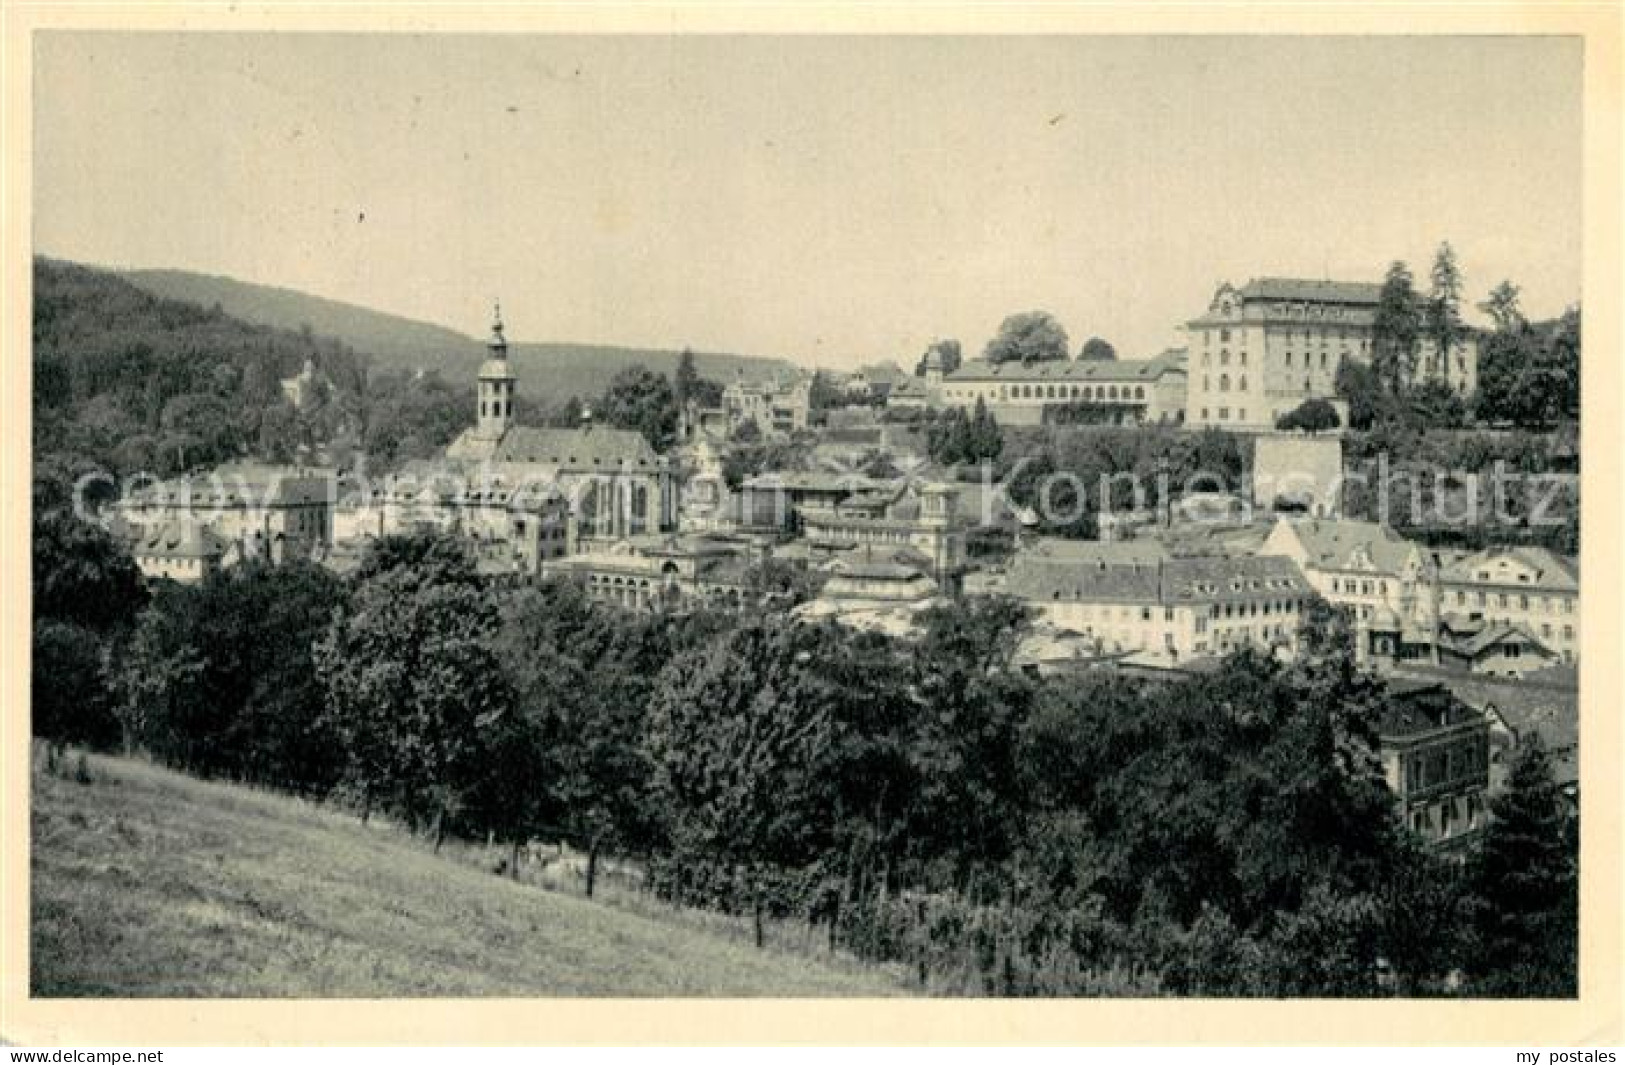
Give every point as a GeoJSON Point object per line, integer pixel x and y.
{"type": "Point", "coordinates": [1378, 574]}
{"type": "Point", "coordinates": [1435, 753]}
{"type": "Point", "coordinates": [1531, 588]}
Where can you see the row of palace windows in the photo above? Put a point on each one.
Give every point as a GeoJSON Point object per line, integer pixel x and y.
{"type": "Point", "coordinates": [1241, 359]}
{"type": "Point", "coordinates": [1308, 336]}
{"type": "Point", "coordinates": [1545, 602]}
{"type": "Point", "coordinates": [1089, 392]}
{"type": "Point", "coordinates": [1224, 414]}
{"type": "Point", "coordinates": [502, 407]}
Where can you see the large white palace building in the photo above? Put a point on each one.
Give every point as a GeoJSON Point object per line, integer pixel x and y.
{"type": "Point", "coordinates": [1261, 350]}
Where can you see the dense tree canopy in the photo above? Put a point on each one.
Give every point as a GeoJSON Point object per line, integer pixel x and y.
{"type": "Point", "coordinates": [925, 800]}
{"type": "Point", "coordinates": [1034, 336]}
{"type": "Point", "coordinates": [958, 437]}
{"type": "Point", "coordinates": [413, 689]}
{"type": "Point", "coordinates": [87, 595]}
{"type": "Point", "coordinates": [218, 677]}
{"type": "Point", "coordinates": [639, 398]}
{"type": "Point", "coordinates": [1529, 374]}
{"type": "Point", "coordinates": [134, 383]}
{"type": "Point", "coordinates": [949, 354]}
{"type": "Point", "coordinates": [688, 386]}
{"type": "Point", "coordinates": [1502, 307]}
{"type": "Point", "coordinates": [1096, 350]}
{"type": "Point", "coordinates": [1523, 889]}
{"type": "Point", "coordinates": [1310, 416]}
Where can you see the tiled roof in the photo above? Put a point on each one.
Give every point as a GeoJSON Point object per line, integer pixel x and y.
{"type": "Point", "coordinates": [1047, 582]}
{"type": "Point", "coordinates": [1309, 290]}
{"type": "Point", "coordinates": [239, 486]}
{"type": "Point", "coordinates": [1332, 544]}
{"type": "Point", "coordinates": [884, 373]}
{"type": "Point", "coordinates": [180, 539]}
{"type": "Point", "coordinates": [1492, 634]}
{"type": "Point", "coordinates": [1552, 572]}
{"type": "Point", "coordinates": [1112, 553]}
{"type": "Point", "coordinates": [685, 545]}
{"type": "Point", "coordinates": [1231, 579]}
{"type": "Point", "coordinates": [1105, 370]}
{"type": "Point", "coordinates": [1168, 582]}
{"type": "Point", "coordinates": [810, 480]}
{"type": "Point", "coordinates": [1422, 707]}
{"type": "Point", "coordinates": [596, 448]}
{"type": "Point", "coordinates": [876, 571]}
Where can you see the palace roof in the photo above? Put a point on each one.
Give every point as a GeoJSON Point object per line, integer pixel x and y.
{"type": "Point", "coordinates": [1309, 290]}
{"type": "Point", "coordinates": [1104, 370]}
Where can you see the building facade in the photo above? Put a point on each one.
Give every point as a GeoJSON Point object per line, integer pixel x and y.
{"type": "Point", "coordinates": [1264, 348]}
{"type": "Point", "coordinates": [1527, 587]}
{"type": "Point", "coordinates": [184, 550]}
{"type": "Point", "coordinates": [256, 511]}
{"type": "Point", "coordinates": [778, 408]}
{"type": "Point", "coordinates": [1435, 753]}
{"type": "Point", "coordinates": [1175, 609]}
{"type": "Point", "coordinates": [907, 521]}
{"type": "Point", "coordinates": [1364, 566]}
{"type": "Point", "coordinates": [1128, 391]}
{"type": "Point", "coordinates": [665, 572]}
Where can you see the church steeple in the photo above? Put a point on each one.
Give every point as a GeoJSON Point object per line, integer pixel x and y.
{"type": "Point", "coordinates": [498, 343]}
{"type": "Point", "coordinates": [496, 385]}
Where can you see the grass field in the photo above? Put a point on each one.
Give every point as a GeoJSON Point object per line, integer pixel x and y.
{"type": "Point", "coordinates": [147, 883]}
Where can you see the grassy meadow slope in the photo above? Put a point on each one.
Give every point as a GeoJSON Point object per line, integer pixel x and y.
{"type": "Point", "coordinates": [147, 883]}
{"type": "Point", "coordinates": [548, 371]}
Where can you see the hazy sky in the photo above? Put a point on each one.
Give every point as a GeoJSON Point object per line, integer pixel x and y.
{"type": "Point", "coordinates": [831, 199]}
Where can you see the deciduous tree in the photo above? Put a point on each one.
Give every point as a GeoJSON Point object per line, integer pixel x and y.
{"type": "Point", "coordinates": [1096, 350]}
{"type": "Point", "coordinates": [1034, 336]}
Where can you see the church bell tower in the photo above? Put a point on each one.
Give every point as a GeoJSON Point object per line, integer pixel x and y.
{"type": "Point", "coordinates": [496, 385]}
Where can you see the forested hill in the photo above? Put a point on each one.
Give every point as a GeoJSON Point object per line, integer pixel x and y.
{"type": "Point", "coordinates": [389, 339]}
{"type": "Point", "coordinates": [127, 381]}
{"type": "Point", "coordinates": [548, 371]}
